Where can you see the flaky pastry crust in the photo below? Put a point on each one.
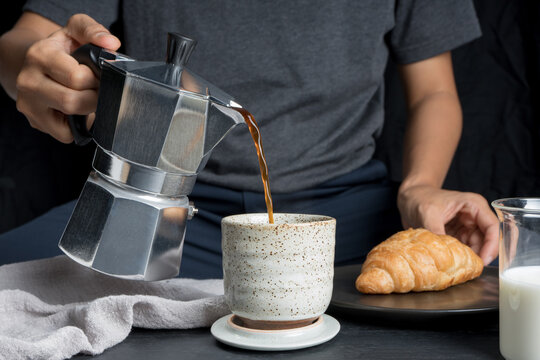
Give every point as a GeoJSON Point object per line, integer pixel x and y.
{"type": "Point", "coordinates": [417, 260]}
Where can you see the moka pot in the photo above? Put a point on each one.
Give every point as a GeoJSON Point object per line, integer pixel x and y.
{"type": "Point", "coordinates": [156, 125]}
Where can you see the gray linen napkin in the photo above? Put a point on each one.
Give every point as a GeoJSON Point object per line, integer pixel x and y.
{"type": "Point", "coordinates": [55, 308]}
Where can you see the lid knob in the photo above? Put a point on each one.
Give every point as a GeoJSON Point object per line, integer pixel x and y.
{"type": "Point", "coordinates": [179, 48]}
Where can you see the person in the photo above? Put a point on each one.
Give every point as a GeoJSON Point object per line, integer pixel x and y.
{"type": "Point", "coordinates": [312, 74]}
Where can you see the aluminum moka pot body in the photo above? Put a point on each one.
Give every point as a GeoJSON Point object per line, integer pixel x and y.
{"type": "Point", "coordinates": [155, 127]}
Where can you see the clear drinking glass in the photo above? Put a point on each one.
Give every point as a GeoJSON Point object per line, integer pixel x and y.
{"type": "Point", "coordinates": [519, 277]}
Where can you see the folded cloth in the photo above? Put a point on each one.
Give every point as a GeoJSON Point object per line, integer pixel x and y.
{"type": "Point", "coordinates": [55, 308]}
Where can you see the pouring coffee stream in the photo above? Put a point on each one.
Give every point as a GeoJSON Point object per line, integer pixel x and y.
{"type": "Point", "coordinates": [257, 139]}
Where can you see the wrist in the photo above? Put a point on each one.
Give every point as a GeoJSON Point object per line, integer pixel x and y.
{"type": "Point", "coordinates": [413, 181]}
{"type": "Point", "coordinates": [412, 192]}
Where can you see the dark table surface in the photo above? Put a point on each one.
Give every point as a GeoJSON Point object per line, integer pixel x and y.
{"type": "Point", "coordinates": [471, 336]}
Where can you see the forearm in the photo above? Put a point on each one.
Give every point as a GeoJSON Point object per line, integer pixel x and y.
{"type": "Point", "coordinates": [431, 138]}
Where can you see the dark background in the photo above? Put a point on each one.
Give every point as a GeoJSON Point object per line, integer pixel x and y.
{"type": "Point", "coordinates": [498, 79]}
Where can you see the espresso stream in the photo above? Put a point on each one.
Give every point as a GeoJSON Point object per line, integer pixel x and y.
{"type": "Point", "coordinates": [256, 135]}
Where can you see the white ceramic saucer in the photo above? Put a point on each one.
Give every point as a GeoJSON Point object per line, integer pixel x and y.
{"type": "Point", "coordinates": [322, 330]}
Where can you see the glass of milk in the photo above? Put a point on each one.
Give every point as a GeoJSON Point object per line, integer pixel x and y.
{"type": "Point", "coordinates": [519, 277]}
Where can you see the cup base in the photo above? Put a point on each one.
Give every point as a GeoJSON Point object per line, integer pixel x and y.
{"type": "Point", "coordinates": [321, 331]}
{"type": "Point", "coordinates": [271, 325]}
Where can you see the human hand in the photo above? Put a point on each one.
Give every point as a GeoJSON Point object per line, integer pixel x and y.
{"type": "Point", "coordinates": [466, 216]}
{"type": "Point", "coordinates": [52, 84]}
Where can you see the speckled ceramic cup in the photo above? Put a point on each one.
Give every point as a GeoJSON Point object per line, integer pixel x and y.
{"type": "Point", "coordinates": [281, 272]}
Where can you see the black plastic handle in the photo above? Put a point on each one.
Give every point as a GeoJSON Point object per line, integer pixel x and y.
{"type": "Point", "coordinates": [88, 55]}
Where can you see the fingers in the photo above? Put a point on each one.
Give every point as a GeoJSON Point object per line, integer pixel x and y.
{"type": "Point", "coordinates": [486, 245]}
{"type": "Point", "coordinates": [433, 221]}
{"type": "Point", "coordinates": [474, 238]}
{"type": "Point", "coordinates": [485, 218]}
{"type": "Point", "coordinates": [404, 223]}
{"type": "Point", "coordinates": [479, 227]}
{"type": "Point", "coordinates": [66, 100]}
{"type": "Point", "coordinates": [34, 85]}
{"type": "Point", "coordinates": [59, 127]}
{"type": "Point", "coordinates": [47, 120]}
{"type": "Point", "coordinates": [488, 226]}
{"type": "Point", "coordinates": [64, 69]}
{"type": "Point", "coordinates": [83, 29]}
{"type": "Point", "coordinates": [490, 246]}
{"type": "Point", "coordinates": [44, 102]}
{"type": "Point", "coordinates": [48, 57]}
{"type": "Point", "coordinates": [453, 227]}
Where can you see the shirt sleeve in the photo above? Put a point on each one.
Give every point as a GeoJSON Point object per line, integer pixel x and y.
{"type": "Point", "coordinates": [425, 28]}
{"type": "Point", "coordinates": [104, 12]}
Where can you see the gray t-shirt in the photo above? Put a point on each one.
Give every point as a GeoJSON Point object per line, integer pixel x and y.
{"type": "Point", "coordinates": [310, 71]}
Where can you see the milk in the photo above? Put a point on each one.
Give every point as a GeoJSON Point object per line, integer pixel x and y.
{"type": "Point", "coordinates": [519, 302]}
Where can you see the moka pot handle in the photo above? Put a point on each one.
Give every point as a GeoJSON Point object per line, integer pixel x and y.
{"type": "Point", "coordinates": [90, 56]}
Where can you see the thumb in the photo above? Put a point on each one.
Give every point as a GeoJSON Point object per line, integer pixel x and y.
{"type": "Point", "coordinates": [434, 224]}
{"type": "Point", "coordinates": [83, 29]}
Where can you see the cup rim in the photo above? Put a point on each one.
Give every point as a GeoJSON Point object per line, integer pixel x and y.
{"type": "Point", "coordinates": [312, 219]}
{"type": "Point", "coordinates": [499, 204]}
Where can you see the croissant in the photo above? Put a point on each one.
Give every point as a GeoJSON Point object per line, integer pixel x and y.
{"type": "Point", "coordinates": [417, 260]}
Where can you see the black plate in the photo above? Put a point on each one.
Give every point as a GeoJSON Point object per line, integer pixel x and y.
{"type": "Point", "coordinates": [476, 296]}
